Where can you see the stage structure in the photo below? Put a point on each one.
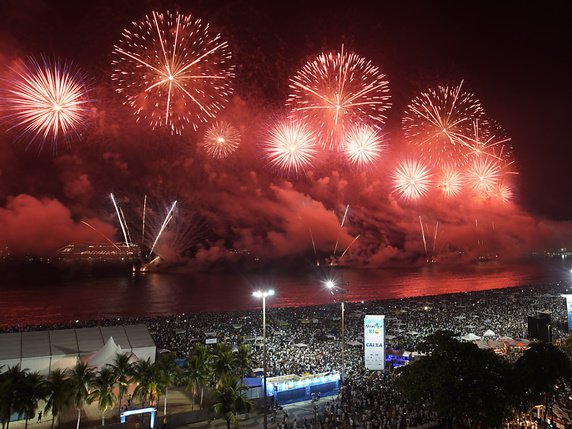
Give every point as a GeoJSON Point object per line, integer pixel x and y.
{"type": "Point", "coordinates": [374, 342]}
{"type": "Point", "coordinates": [287, 389]}
{"type": "Point", "coordinates": [569, 310]}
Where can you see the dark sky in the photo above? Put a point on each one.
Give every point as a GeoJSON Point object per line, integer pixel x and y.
{"type": "Point", "coordinates": [514, 56]}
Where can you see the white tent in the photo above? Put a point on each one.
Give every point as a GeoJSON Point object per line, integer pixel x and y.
{"type": "Point", "coordinates": [489, 333]}
{"type": "Point", "coordinates": [470, 337]}
{"type": "Point", "coordinates": [105, 355]}
{"type": "Point", "coordinates": [46, 351]}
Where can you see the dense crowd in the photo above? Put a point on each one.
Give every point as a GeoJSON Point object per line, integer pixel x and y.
{"type": "Point", "coordinates": [307, 340]}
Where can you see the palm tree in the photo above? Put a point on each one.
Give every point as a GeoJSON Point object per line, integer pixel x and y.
{"type": "Point", "coordinates": [222, 362]}
{"type": "Point", "coordinates": [244, 360]}
{"type": "Point", "coordinates": [123, 369]}
{"type": "Point", "coordinates": [30, 392]}
{"type": "Point", "coordinates": [59, 387]}
{"type": "Point", "coordinates": [10, 381]}
{"type": "Point", "coordinates": [145, 374]}
{"type": "Point", "coordinates": [197, 373]}
{"type": "Point", "coordinates": [82, 376]}
{"type": "Point", "coordinates": [228, 399]}
{"type": "Point", "coordinates": [168, 373]}
{"type": "Point", "coordinates": [102, 391]}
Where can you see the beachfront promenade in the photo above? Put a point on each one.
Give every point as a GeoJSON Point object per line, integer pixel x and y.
{"type": "Point", "coordinates": [307, 340]}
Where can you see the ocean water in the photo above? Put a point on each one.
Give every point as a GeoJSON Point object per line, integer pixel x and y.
{"type": "Point", "coordinates": [154, 294]}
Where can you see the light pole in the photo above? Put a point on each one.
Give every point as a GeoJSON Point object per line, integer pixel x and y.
{"type": "Point", "coordinates": [263, 294]}
{"type": "Point", "coordinates": [340, 291]}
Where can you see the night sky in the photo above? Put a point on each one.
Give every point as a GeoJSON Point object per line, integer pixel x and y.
{"type": "Point", "coordinates": [515, 57]}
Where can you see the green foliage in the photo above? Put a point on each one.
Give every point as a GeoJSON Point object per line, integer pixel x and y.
{"type": "Point", "coordinates": [123, 370]}
{"type": "Point", "coordinates": [59, 387]}
{"type": "Point", "coordinates": [102, 391]}
{"type": "Point", "coordinates": [146, 375]}
{"type": "Point", "coordinates": [228, 400]}
{"type": "Point", "coordinates": [462, 383]}
{"type": "Point", "coordinates": [537, 372]}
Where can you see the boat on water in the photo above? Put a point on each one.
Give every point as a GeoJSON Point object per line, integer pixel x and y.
{"type": "Point", "coordinates": [99, 256]}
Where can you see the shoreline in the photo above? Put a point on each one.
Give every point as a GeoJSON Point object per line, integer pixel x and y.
{"type": "Point", "coordinates": [110, 320]}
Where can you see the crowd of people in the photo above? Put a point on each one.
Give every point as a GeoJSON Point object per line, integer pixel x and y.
{"type": "Point", "coordinates": [307, 340]}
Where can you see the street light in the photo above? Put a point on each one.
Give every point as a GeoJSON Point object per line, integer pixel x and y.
{"type": "Point", "coordinates": [340, 291]}
{"type": "Point", "coordinates": [263, 294]}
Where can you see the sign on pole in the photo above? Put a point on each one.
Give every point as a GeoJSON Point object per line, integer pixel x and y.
{"type": "Point", "coordinates": [569, 310]}
{"type": "Point", "coordinates": [374, 342]}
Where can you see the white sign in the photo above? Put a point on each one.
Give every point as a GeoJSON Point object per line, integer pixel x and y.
{"type": "Point", "coordinates": [210, 341]}
{"type": "Point", "coordinates": [374, 342]}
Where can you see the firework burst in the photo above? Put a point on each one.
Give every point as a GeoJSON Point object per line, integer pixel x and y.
{"type": "Point", "coordinates": [450, 181]}
{"type": "Point", "coordinates": [440, 122]}
{"type": "Point", "coordinates": [335, 91]}
{"type": "Point", "coordinates": [483, 175]}
{"type": "Point", "coordinates": [504, 193]}
{"type": "Point", "coordinates": [47, 101]}
{"type": "Point", "coordinates": [291, 146]}
{"type": "Point", "coordinates": [173, 71]}
{"type": "Point", "coordinates": [411, 180]}
{"type": "Point", "coordinates": [362, 145]}
{"type": "Point", "coordinates": [221, 140]}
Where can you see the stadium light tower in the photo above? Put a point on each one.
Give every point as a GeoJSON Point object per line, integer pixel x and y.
{"type": "Point", "coordinates": [263, 294]}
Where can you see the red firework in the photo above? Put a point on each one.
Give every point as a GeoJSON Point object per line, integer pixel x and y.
{"type": "Point", "coordinates": [337, 90]}
{"type": "Point", "coordinates": [291, 146]}
{"type": "Point", "coordinates": [483, 175]}
{"type": "Point", "coordinates": [362, 145]}
{"type": "Point", "coordinates": [221, 140]}
{"type": "Point", "coordinates": [411, 180]}
{"type": "Point", "coordinates": [440, 122]}
{"type": "Point", "coordinates": [173, 71]}
{"type": "Point", "coordinates": [47, 101]}
{"type": "Point", "coordinates": [450, 181]}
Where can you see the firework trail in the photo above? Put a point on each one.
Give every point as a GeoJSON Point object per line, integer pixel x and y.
{"type": "Point", "coordinates": [411, 180]}
{"type": "Point", "coordinates": [121, 220]}
{"type": "Point", "coordinates": [221, 140]}
{"type": "Point", "coordinates": [337, 90]}
{"type": "Point", "coordinates": [440, 122]}
{"type": "Point", "coordinates": [143, 216]}
{"type": "Point", "coordinates": [163, 226]}
{"type": "Point", "coordinates": [341, 226]}
{"type": "Point", "coordinates": [100, 233]}
{"type": "Point", "coordinates": [46, 101]}
{"type": "Point", "coordinates": [173, 71]}
{"type": "Point", "coordinates": [349, 245]}
{"type": "Point", "coordinates": [291, 146]}
{"type": "Point", "coordinates": [424, 240]}
{"type": "Point", "coordinates": [362, 145]}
